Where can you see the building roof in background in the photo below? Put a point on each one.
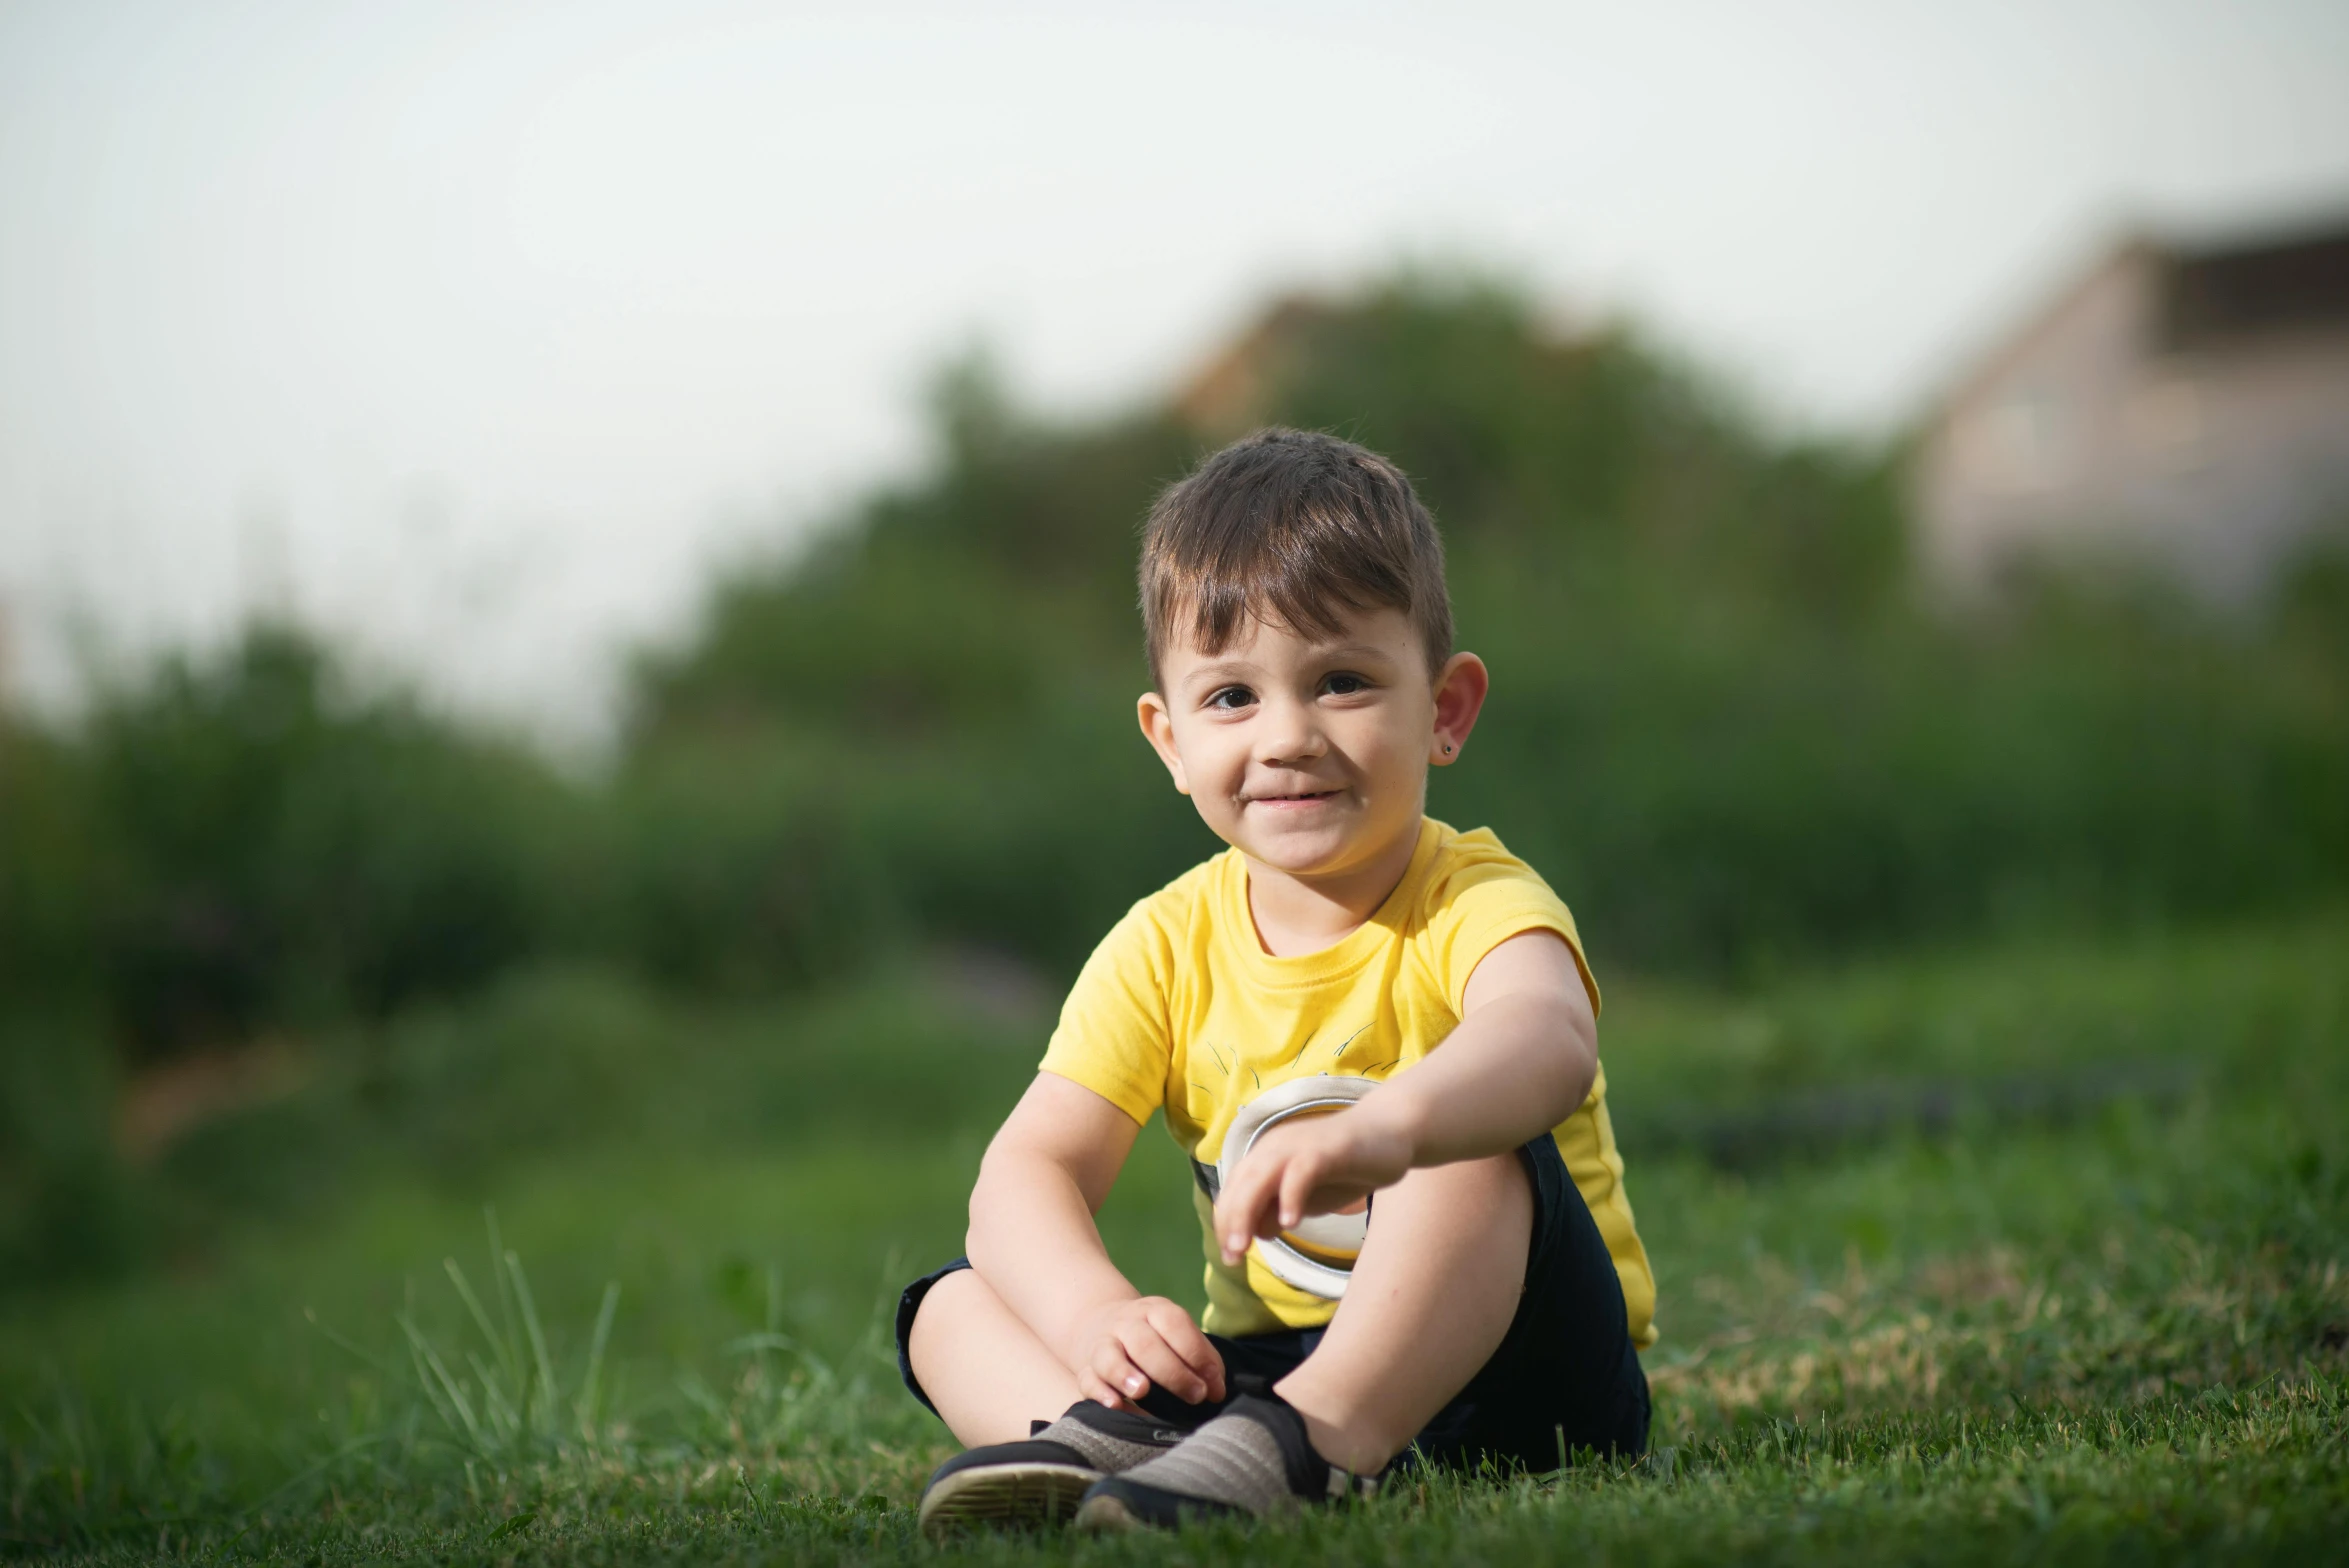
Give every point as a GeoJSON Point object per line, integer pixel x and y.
{"type": "Point", "coordinates": [2226, 292]}
{"type": "Point", "coordinates": [1228, 393]}
{"type": "Point", "coordinates": [2214, 296]}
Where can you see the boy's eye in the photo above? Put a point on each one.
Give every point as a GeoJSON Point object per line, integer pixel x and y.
{"type": "Point", "coordinates": [1231, 698]}
{"type": "Point", "coordinates": [1344, 685]}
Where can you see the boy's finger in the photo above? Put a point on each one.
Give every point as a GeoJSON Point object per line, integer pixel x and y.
{"type": "Point", "coordinates": [1236, 1215]}
{"type": "Point", "coordinates": [1101, 1393]}
{"type": "Point", "coordinates": [1297, 1186]}
{"type": "Point", "coordinates": [1272, 1217]}
{"type": "Point", "coordinates": [1199, 1355]}
{"type": "Point", "coordinates": [1183, 1335]}
{"type": "Point", "coordinates": [1147, 1349]}
{"type": "Point", "coordinates": [1196, 1349]}
{"type": "Point", "coordinates": [1118, 1372]}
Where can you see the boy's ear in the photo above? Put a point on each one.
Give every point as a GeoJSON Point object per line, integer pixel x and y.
{"type": "Point", "coordinates": [1460, 688]}
{"type": "Point", "coordinates": [1158, 729]}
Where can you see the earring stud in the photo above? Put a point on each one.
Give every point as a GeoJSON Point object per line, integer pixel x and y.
{"type": "Point", "coordinates": [1447, 748]}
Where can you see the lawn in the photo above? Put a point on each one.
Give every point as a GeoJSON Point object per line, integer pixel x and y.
{"type": "Point", "coordinates": [2034, 1253]}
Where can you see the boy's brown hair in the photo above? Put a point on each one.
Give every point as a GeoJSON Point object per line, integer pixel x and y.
{"type": "Point", "coordinates": [1290, 525]}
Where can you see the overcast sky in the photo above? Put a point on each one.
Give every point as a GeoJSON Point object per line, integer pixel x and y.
{"type": "Point", "coordinates": [477, 332]}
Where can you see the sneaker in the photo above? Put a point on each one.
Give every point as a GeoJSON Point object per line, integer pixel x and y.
{"type": "Point", "coordinates": [1252, 1461]}
{"type": "Point", "coordinates": [1041, 1480]}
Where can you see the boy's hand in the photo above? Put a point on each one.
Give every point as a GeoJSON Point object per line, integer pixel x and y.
{"type": "Point", "coordinates": [1524, 1056]}
{"type": "Point", "coordinates": [1316, 1166]}
{"type": "Point", "coordinates": [1128, 1345]}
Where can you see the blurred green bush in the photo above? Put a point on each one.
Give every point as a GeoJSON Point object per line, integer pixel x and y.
{"type": "Point", "coordinates": [243, 844]}
{"type": "Point", "coordinates": [1726, 722]}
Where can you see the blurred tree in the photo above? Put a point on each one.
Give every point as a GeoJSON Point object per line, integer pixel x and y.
{"type": "Point", "coordinates": [1722, 720]}
{"type": "Point", "coordinates": [282, 848]}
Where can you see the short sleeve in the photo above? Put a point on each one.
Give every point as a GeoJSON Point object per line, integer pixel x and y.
{"type": "Point", "coordinates": [1113, 1036]}
{"type": "Point", "coordinates": [1487, 897]}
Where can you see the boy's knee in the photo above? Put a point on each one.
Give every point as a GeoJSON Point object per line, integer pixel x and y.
{"type": "Point", "coordinates": [948, 1297]}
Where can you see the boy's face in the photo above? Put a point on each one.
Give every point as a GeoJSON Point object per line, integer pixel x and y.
{"type": "Point", "coordinates": [1311, 755]}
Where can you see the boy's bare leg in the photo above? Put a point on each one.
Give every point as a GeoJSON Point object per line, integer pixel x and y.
{"type": "Point", "coordinates": [984, 1369]}
{"type": "Point", "coordinates": [1430, 1298]}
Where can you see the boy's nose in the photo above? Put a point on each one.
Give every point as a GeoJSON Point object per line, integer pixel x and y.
{"type": "Point", "coordinates": [1288, 735]}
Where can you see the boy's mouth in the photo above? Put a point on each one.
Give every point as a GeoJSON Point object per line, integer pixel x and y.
{"type": "Point", "coordinates": [1305, 798]}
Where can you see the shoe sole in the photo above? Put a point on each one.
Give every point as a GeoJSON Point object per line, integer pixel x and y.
{"type": "Point", "coordinates": [1106, 1513]}
{"type": "Point", "coordinates": [1003, 1496]}
{"type": "Point", "coordinates": [1106, 1516]}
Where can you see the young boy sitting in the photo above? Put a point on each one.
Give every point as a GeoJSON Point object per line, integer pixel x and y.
{"type": "Point", "coordinates": [1375, 1038]}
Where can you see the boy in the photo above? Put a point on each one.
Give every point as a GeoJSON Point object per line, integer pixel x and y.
{"type": "Point", "coordinates": [1353, 1000]}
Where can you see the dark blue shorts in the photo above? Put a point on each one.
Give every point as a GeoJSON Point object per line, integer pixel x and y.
{"type": "Point", "coordinates": [1565, 1378]}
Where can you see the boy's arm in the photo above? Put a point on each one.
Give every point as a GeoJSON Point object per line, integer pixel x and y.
{"type": "Point", "coordinates": [1523, 1058]}
{"type": "Point", "coordinates": [1033, 1240]}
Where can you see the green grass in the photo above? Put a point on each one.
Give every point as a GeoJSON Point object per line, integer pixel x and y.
{"type": "Point", "coordinates": [2108, 1325]}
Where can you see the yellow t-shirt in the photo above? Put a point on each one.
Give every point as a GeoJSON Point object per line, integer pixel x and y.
{"type": "Point", "coordinates": [1181, 1009]}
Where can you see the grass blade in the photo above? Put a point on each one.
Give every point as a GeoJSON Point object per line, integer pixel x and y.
{"type": "Point", "coordinates": [589, 1380]}
{"type": "Point", "coordinates": [497, 1252]}
{"type": "Point", "coordinates": [428, 1359]}
{"type": "Point", "coordinates": [496, 1408]}
{"type": "Point", "coordinates": [543, 1365]}
{"type": "Point", "coordinates": [372, 1361]}
{"type": "Point", "coordinates": [498, 1344]}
